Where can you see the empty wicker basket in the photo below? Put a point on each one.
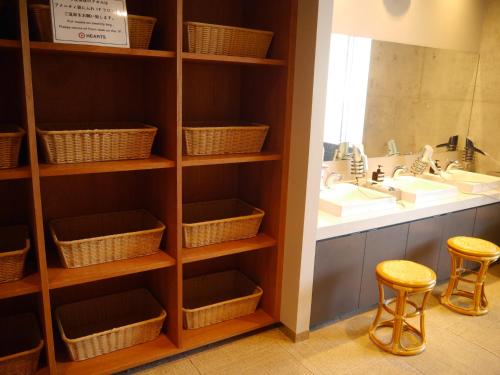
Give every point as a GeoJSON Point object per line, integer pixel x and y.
{"type": "Point", "coordinates": [10, 144]}
{"type": "Point", "coordinates": [102, 325]}
{"type": "Point", "coordinates": [227, 40]}
{"type": "Point", "coordinates": [140, 28]}
{"type": "Point", "coordinates": [20, 344]}
{"type": "Point", "coordinates": [217, 297]}
{"type": "Point", "coordinates": [14, 246]}
{"type": "Point", "coordinates": [206, 223]}
{"type": "Point", "coordinates": [100, 238]}
{"type": "Point", "coordinates": [91, 142]}
{"type": "Point", "coordinates": [214, 139]}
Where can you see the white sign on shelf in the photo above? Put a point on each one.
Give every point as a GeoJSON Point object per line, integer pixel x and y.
{"type": "Point", "coordinates": [94, 22]}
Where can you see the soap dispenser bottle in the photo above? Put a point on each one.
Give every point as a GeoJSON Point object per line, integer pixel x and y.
{"type": "Point", "coordinates": [378, 175]}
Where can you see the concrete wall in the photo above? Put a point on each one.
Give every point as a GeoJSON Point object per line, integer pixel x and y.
{"type": "Point", "coordinates": [417, 96]}
{"type": "Point", "coordinates": [485, 120]}
{"type": "Point", "coordinates": [449, 24]}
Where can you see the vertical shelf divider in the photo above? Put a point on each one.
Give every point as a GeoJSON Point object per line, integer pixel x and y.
{"type": "Point", "coordinates": [35, 185]}
{"type": "Point", "coordinates": [178, 170]}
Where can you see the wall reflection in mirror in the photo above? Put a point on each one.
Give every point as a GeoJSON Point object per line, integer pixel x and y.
{"type": "Point", "coordinates": [395, 98]}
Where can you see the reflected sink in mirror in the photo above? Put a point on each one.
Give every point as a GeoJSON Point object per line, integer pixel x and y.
{"type": "Point", "coordinates": [418, 190]}
{"type": "Point", "coordinates": [346, 199]}
{"type": "Point", "coordinates": [467, 182]}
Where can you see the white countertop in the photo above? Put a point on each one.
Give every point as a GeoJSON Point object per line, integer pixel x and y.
{"type": "Point", "coordinates": [332, 226]}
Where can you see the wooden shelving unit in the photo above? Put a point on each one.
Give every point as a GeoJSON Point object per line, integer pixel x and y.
{"type": "Point", "coordinates": [73, 49]}
{"type": "Point", "coordinates": [154, 162]}
{"type": "Point", "coordinates": [262, 241]}
{"type": "Point", "coordinates": [221, 59]}
{"type": "Point", "coordinates": [60, 277]}
{"type": "Point", "coordinates": [193, 161]}
{"type": "Point", "coordinates": [28, 285]}
{"type": "Point", "coordinates": [15, 173]}
{"type": "Point", "coordinates": [163, 86]}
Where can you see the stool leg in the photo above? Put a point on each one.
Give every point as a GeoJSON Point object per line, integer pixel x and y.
{"type": "Point", "coordinates": [479, 295]}
{"type": "Point", "coordinates": [399, 320]}
{"type": "Point", "coordinates": [381, 299]}
{"type": "Point", "coordinates": [454, 274]}
{"type": "Point", "coordinates": [422, 315]}
{"type": "Point", "coordinates": [484, 300]}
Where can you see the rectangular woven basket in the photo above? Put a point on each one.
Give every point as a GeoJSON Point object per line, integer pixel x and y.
{"type": "Point", "coordinates": [216, 139]}
{"type": "Point", "coordinates": [206, 223]}
{"type": "Point", "coordinates": [14, 246]}
{"type": "Point", "coordinates": [102, 325]}
{"type": "Point", "coordinates": [217, 297]}
{"type": "Point", "coordinates": [140, 28]}
{"type": "Point", "coordinates": [227, 40]}
{"type": "Point", "coordinates": [91, 142]}
{"type": "Point", "coordinates": [20, 344]}
{"type": "Point", "coordinates": [93, 239]}
{"type": "Point", "coordinates": [10, 144]}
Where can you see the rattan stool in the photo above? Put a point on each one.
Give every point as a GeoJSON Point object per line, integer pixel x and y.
{"type": "Point", "coordinates": [475, 250]}
{"type": "Point", "coordinates": [405, 278]}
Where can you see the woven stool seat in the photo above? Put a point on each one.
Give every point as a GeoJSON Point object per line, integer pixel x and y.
{"type": "Point", "coordinates": [475, 250]}
{"type": "Point", "coordinates": [406, 278]}
{"type": "Point", "coordinates": [474, 246]}
{"type": "Point", "coordinates": [406, 273]}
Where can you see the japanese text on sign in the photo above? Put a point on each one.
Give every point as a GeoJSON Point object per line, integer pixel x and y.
{"type": "Point", "coordinates": [99, 22]}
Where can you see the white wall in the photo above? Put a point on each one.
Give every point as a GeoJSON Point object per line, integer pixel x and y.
{"type": "Point", "coordinates": [309, 102]}
{"type": "Point", "coordinates": [449, 24]}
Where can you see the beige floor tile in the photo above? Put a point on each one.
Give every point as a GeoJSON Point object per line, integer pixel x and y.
{"type": "Point", "coordinates": [448, 353]}
{"type": "Point", "coordinates": [255, 354]}
{"type": "Point", "coordinates": [456, 344]}
{"type": "Point", "coordinates": [180, 367]}
{"type": "Point", "coordinates": [384, 367]}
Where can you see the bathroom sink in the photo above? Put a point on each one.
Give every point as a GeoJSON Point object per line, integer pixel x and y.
{"type": "Point", "coordinates": [467, 182]}
{"type": "Point", "coordinates": [346, 199]}
{"type": "Point", "coordinates": [418, 190]}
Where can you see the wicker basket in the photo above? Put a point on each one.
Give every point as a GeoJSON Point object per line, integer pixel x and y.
{"type": "Point", "coordinates": [20, 344]}
{"type": "Point", "coordinates": [10, 144]}
{"type": "Point", "coordinates": [216, 139]}
{"type": "Point", "coordinates": [227, 40]}
{"type": "Point", "coordinates": [93, 239]}
{"type": "Point", "coordinates": [140, 28]}
{"type": "Point", "coordinates": [14, 246]}
{"type": "Point", "coordinates": [102, 325]}
{"type": "Point", "coordinates": [206, 223]}
{"type": "Point", "coordinates": [79, 143]}
{"type": "Point", "coordinates": [214, 298]}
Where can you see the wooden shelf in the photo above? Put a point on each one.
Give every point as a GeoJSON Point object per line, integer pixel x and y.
{"type": "Point", "coordinates": [222, 59]}
{"type": "Point", "coordinates": [154, 162]}
{"type": "Point", "coordinates": [192, 161]}
{"type": "Point", "coordinates": [261, 241]}
{"type": "Point", "coordinates": [60, 277]}
{"type": "Point", "coordinates": [77, 49]}
{"type": "Point", "coordinates": [194, 338]}
{"type": "Point", "coordinates": [121, 359]}
{"type": "Point", "coordinates": [9, 44]}
{"type": "Point", "coordinates": [28, 285]}
{"type": "Point", "coordinates": [15, 173]}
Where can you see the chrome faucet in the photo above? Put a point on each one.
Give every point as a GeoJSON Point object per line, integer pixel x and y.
{"type": "Point", "coordinates": [453, 164]}
{"type": "Point", "coordinates": [397, 171]}
{"type": "Point", "coordinates": [332, 176]}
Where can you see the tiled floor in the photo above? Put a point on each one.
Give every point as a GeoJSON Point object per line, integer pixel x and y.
{"type": "Point", "coordinates": [456, 344]}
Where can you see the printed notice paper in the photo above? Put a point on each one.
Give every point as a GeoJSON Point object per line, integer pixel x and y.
{"type": "Point", "coordinates": [95, 22]}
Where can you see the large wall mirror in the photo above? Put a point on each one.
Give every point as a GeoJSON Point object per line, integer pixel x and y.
{"type": "Point", "coordinates": [394, 97]}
